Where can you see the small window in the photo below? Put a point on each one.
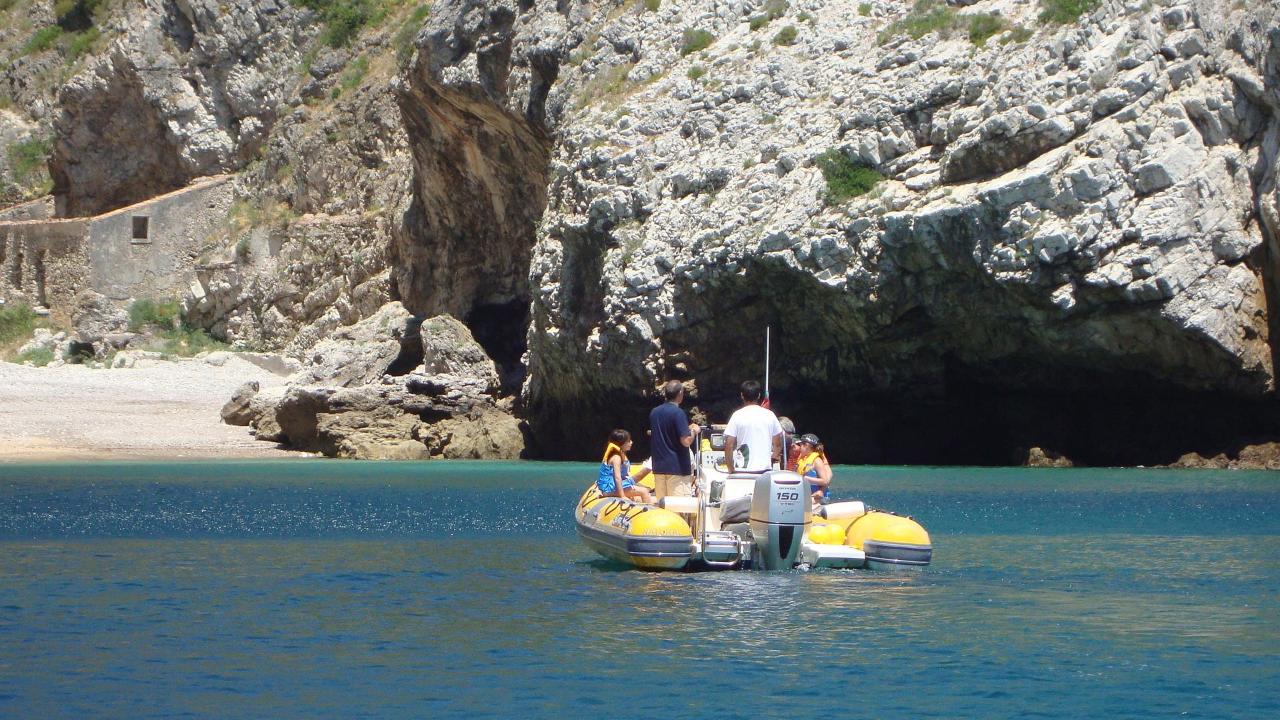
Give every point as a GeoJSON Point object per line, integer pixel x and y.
{"type": "Point", "coordinates": [140, 228]}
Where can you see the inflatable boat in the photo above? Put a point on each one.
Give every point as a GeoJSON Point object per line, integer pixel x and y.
{"type": "Point", "coordinates": [747, 521]}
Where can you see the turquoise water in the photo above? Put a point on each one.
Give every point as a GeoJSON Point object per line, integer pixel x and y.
{"type": "Point", "coordinates": [326, 589]}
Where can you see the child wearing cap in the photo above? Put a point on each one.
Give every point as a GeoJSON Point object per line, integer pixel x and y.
{"type": "Point", "coordinates": [813, 465]}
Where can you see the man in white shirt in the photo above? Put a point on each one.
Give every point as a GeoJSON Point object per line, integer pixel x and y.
{"type": "Point", "coordinates": [753, 431]}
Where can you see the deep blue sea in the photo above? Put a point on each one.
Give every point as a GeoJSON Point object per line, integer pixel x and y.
{"type": "Point", "coordinates": [306, 589]}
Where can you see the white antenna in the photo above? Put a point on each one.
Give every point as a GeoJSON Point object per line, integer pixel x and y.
{"type": "Point", "coordinates": [766, 362]}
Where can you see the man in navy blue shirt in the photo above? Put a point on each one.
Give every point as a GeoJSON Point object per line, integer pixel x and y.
{"type": "Point", "coordinates": [671, 435]}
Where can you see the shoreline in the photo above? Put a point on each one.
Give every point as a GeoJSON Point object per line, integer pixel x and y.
{"type": "Point", "coordinates": [158, 410]}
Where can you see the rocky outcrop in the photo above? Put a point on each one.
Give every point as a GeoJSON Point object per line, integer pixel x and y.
{"type": "Point", "coordinates": [333, 183]}
{"type": "Point", "coordinates": [1067, 237]}
{"type": "Point", "coordinates": [1263, 456]}
{"type": "Point", "coordinates": [187, 89]}
{"type": "Point", "coordinates": [473, 103]}
{"type": "Point", "coordinates": [238, 410]}
{"type": "Point", "coordinates": [100, 322]}
{"type": "Point", "coordinates": [1039, 457]}
{"type": "Point", "coordinates": [392, 386]}
{"type": "Point", "coordinates": [1073, 244]}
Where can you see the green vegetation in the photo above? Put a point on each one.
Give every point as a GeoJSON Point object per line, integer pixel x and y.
{"type": "Point", "coordinates": [246, 214]}
{"type": "Point", "coordinates": [29, 162]}
{"type": "Point", "coordinates": [695, 40]}
{"type": "Point", "coordinates": [1064, 12]}
{"type": "Point", "coordinates": [80, 43]}
{"type": "Point", "coordinates": [352, 76]}
{"type": "Point", "coordinates": [984, 25]}
{"type": "Point", "coordinates": [242, 249]}
{"type": "Point", "coordinates": [42, 40]}
{"type": "Point", "coordinates": [933, 16]}
{"type": "Point", "coordinates": [845, 178]}
{"type": "Point", "coordinates": [786, 36]}
{"type": "Point", "coordinates": [610, 82]}
{"type": "Point", "coordinates": [186, 341]}
{"type": "Point", "coordinates": [6, 4]}
{"type": "Point", "coordinates": [864, 9]}
{"type": "Point", "coordinates": [17, 322]}
{"type": "Point", "coordinates": [36, 356]}
{"type": "Point", "coordinates": [163, 318]}
{"type": "Point", "coordinates": [1018, 34]}
{"type": "Point", "coordinates": [926, 16]}
{"type": "Point", "coordinates": [696, 72]}
{"type": "Point", "coordinates": [773, 10]}
{"type": "Point", "coordinates": [344, 19]}
{"type": "Point", "coordinates": [158, 314]}
{"type": "Point", "coordinates": [652, 5]}
{"type": "Point", "coordinates": [408, 32]}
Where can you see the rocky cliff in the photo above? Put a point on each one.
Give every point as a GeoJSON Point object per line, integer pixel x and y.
{"type": "Point", "coordinates": [972, 229]}
{"type": "Point", "coordinates": [1072, 245]}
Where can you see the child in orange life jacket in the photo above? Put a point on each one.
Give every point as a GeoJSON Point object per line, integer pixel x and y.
{"type": "Point", "coordinates": [812, 464]}
{"type": "Point", "coordinates": [615, 470]}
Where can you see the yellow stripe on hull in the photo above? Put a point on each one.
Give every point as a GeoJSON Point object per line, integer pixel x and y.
{"type": "Point", "coordinates": [645, 536]}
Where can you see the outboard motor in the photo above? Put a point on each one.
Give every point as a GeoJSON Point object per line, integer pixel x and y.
{"type": "Point", "coordinates": [780, 514]}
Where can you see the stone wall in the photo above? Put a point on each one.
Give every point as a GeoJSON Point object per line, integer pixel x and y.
{"type": "Point", "coordinates": [39, 209]}
{"type": "Point", "coordinates": [144, 250]}
{"type": "Point", "coordinates": [42, 262]}
{"type": "Point", "coordinates": [149, 249]}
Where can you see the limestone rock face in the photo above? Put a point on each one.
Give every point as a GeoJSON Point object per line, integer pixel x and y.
{"type": "Point", "coordinates": [473, 104]}
{"type": "Point", "coordinates": [367, 394]}
{"type": "Point", "coordinates": [339, 179]}
{"type": "Point", "coordinates": [188, 89]}
{"type": "Point", "coordinates": [1073, 230]}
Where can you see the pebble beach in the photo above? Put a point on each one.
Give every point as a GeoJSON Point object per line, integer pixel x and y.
{"type": "Point", "coordinates": [159, 409]}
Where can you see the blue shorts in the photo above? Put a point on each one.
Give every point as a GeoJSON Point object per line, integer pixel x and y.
{"type": "Point", "coordinates": [607, 486]}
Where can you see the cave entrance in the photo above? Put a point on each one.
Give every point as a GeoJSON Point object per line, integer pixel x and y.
{"type": "Point", "coordinates": [502, 330]}
{"type": "Point", "coordinates": [903, 384]}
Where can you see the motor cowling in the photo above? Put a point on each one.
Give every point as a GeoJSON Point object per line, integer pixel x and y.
{"type": "Point", "coordinates": [781, 510]}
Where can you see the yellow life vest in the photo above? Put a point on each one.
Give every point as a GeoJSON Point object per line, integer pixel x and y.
{"type": "Point", "coordinates": [611, 450]}
{"type": "Point", "coordinates": [807, 463]}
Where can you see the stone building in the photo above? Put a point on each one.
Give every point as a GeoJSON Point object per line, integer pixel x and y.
{"type": "Point", "coordinates": [144, 250]}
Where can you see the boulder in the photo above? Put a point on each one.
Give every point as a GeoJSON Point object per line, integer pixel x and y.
{"type": "Point", "coordinates": [1039, 457]}
{"type": "Point", "coordinates": [98, 320]}
{"type": "Point", "coordinates": [411, 417]}
{"type": "Point", "coordinates": [362, 353]}
{"type": "Point", "coordinates": [449, 348]}
{"type": "Point", "coordinates": [484, 433]}
{"type": "Point", "coordinates": [238, 410]}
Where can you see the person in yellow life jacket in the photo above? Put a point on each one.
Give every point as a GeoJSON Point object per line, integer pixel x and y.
{"type": "Point", "coordinates": [615, 470]}
{"type": "Point", "coordinates": [812, 464]}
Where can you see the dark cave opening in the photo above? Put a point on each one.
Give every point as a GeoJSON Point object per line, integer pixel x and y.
{"type": "Point", "coordinates": [502, 330]}
{"type": "Point", "coordinates": [902, 388]}
{"type": "Point", "coordinates": [411, 350]}
{"type": "Point", "coordinates": [1092, 420]}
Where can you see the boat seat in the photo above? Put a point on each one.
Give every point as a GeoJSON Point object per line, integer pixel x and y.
{"type": "Point", "coordinates": [735, 510]}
